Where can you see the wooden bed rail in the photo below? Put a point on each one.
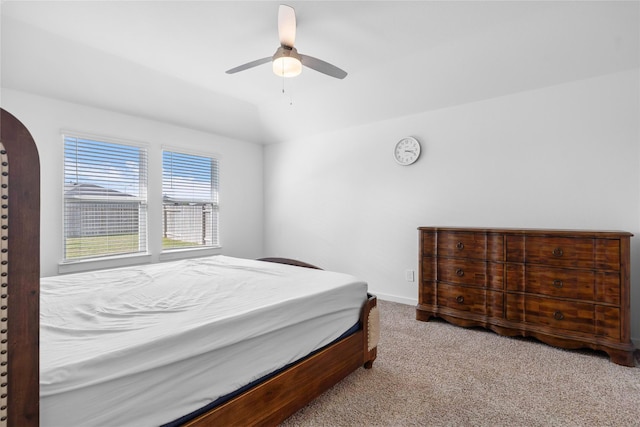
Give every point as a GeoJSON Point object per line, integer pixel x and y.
{"type": "Point", "coordinates": [271, 402]}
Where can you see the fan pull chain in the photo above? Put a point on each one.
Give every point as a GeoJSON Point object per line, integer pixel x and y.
{"type": "Point", "coordinates": [285, 92]}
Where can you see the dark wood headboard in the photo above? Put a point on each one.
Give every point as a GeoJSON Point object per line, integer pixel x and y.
{"type": "Point", "coordinates": [20, 274]}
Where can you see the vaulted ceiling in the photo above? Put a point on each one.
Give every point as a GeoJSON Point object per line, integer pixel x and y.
{"type": "Point", "coordinates": [166, 60]}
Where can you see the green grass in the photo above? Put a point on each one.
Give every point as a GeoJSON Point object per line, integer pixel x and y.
{"type": "Point", "coordinates": [87, 247]}
{"type": "Point", "coordinates": [173, 244]}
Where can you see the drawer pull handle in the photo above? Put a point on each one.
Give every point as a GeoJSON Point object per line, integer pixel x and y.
{"type": "Point", "coordinates": [557, 252]}
{"type": "Point", "coordinates": [558, 315]}
{"type": "Point", "coordinates": [557, 284]}
{"type": "Point", "coordinates": [460, 299]}
{"type": "Point", "coordinates": [460, 272]}
{"type": "Point", "coordinates": [460, 245]}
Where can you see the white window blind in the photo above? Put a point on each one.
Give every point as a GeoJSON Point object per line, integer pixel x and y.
{"type": "Point", "coordinates": [105, 198]}
{"type": "Point", "coordinates": [189, 201]}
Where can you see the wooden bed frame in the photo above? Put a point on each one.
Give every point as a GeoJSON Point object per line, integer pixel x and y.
{"type": "Point", "coordinates": [273, 401]}
{"type": "Point", "coordinates": [267, 403]}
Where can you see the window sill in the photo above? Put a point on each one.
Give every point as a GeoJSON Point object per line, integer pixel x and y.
{"type": "Point", "coordinates": [176, 254]}
{"type": "Point", "coordinates": [102, 263]}
{"type": "Point", "coordinates": [134, 259]}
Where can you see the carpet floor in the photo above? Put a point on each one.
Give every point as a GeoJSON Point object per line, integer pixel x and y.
{"type": "Point", "coordinates": [436, 374]}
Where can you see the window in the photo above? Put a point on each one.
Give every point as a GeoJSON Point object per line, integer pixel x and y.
{"type": "Point", "coordinates": [105, 199]}
{"type": "Point", "coordinates": [189, 201]}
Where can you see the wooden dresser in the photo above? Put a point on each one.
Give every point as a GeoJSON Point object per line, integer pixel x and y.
{"type": "Point", "coordinates": [566, 288]}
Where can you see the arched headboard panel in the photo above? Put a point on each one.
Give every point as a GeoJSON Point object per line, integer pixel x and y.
{"type": "Point", "coordinates": [20, 274]}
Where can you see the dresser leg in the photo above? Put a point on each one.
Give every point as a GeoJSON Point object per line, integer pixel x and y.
{"type": "Point", "coordinates": [621, 357]}
{"type": "Point", "coordinates": [423, 315]}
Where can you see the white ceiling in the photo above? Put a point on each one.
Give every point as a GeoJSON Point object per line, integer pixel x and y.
{"type": "Point", "coordinates": [166, 60]}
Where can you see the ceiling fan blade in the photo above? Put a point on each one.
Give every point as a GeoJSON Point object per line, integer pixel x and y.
{"type": "Point", "coordinates": [250, 65]}
{"type": "Point", "coordinates": [323, 67]}
{"type": "Point", "coordinates": [287, 25]}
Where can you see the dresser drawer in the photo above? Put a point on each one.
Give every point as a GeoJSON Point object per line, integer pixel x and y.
{"type": "Point", "coordinates": [555, 282]}
{"type": "Point", "coordinates": [586, 285]}
{"type": "Point", "coordinates": [462, 298]}
{"type": "Point", "coordinates": [572, 316]}
{"type": "Point", "coordinates": [608, 322]}
{"type": "Point", "coordinates": [462, 245]}
{"type": "Point", "coordinates": [560, 251]}
{"type": "Point", "coordinates": [466, 272]}
{"type": "Point", "coordinates": [462, 271]}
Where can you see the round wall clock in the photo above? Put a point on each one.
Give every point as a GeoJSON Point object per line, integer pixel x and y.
{"type": "Point", "coordinates": [406, 151]}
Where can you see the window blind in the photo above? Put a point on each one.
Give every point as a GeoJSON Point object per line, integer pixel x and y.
{"type": "Point", "coordinates": [189, 201]}
{"type": "Point", "coordinates": [105, 198]}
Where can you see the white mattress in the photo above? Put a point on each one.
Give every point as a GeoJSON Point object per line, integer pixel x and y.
{"type": "Point", "coordinates": [142, 346]}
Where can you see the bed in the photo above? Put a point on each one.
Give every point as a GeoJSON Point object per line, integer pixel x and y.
{"type": "Point", "coordinates": [264, 396]}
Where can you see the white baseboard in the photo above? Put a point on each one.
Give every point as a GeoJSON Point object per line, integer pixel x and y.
{"type": "Point", "coordinates": [395, 298]}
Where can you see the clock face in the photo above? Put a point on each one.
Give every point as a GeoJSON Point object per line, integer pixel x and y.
{"type": "Point", "coordinates": [407, 151]}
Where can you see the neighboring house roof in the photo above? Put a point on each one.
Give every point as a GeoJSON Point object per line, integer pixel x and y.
{"type": "Point", "coordinates": [178, 201]}
{"type": "Point", "coordinates": [72, 189]}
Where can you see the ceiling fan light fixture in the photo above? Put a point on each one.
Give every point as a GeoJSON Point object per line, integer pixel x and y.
{"type": "Point", "coordinates": [286, 62]}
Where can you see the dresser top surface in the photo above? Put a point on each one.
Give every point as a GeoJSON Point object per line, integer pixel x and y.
{"type": "Point", "coordinates": [535, 231]}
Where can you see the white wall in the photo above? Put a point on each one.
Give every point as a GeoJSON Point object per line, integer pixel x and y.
{"type": "Point", "coordinates": [565, 156]}
{"type": "Point", "coordinates": [241, 191]}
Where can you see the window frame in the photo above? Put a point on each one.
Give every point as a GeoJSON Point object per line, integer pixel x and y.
{"type": "Point", "coordinates": [172, 253]}
{"type": "Point", "coordinates": [116, 259]}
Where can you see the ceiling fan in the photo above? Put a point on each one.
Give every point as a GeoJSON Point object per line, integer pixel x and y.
{"type": "Point", "coordinates": [287, 62]}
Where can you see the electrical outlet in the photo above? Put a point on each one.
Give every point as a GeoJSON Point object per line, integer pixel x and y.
{"type": "Point", "coordinates": [410, 275]}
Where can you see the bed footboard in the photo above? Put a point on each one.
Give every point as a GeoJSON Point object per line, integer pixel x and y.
{"type": "Point", "coordinates": [371, 324]}
{"type": "Point", "coordinates": [289, 261]}
{"type": "Point", "coordinates": [369, 318]}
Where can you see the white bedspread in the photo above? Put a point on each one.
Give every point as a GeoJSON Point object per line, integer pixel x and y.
{"type": "Point", "coordinates": [142, 346]}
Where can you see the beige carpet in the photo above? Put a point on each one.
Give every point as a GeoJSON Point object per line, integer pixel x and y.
{"type": "Point", "coordinates": [437, 374]}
